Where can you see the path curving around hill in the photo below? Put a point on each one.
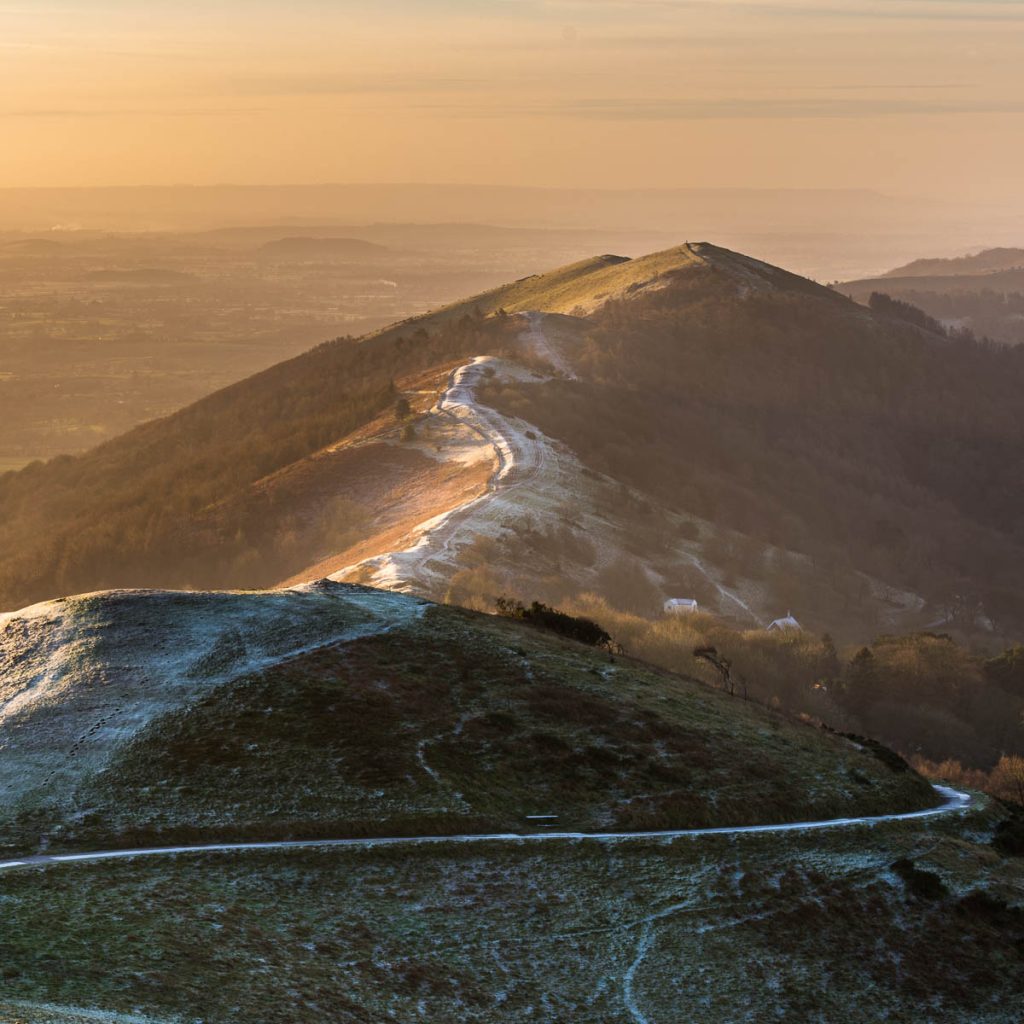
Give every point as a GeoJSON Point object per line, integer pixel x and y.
{"type": "Point", "coordinates": [524, 459]}
{"type": "Point", "coordinates": [953, 801]}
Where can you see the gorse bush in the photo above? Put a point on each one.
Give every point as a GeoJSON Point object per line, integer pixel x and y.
{"type": "Point", "coordinates": [574, 627]}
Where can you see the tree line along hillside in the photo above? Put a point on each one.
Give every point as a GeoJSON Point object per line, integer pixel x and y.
{"type": "Point", "coordinates": [983, 294]}
{"type": "Point", "coordinates": [126, 513]}
{"type": "Point", "coordinates": [923, 694]}
{"type": "Point", "coordinates": [811, 423]}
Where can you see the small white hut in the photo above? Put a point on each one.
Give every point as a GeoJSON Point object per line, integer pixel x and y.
{"type": "Point", "coordinates": [680, 606]}
{"type": "Point", "coordinates": [786, 622]}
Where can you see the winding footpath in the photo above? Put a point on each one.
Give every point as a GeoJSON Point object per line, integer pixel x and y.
{"type": "Point", "coordinates": [521, 457]}
{"type": "Point", "coordinates": [953, 801]}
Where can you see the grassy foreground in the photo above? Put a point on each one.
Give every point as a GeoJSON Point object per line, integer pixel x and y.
{"type": "Point", "coordinates": [901, 922]}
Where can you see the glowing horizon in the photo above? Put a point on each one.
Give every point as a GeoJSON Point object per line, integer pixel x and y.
{"type": "Point", "coordinates": [902, 96]}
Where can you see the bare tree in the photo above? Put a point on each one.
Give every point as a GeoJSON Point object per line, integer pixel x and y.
{"type": "Point", "coordinates": [723, 666]}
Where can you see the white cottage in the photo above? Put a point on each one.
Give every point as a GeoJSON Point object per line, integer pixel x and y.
{"type": "Point", "coordinates": [786, 622]}
{"type": "Point", "coordinates": [680, 606]}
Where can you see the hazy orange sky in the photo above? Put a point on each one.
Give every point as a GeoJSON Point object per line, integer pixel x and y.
{"type": "Point", "coordinates": [908, 96]}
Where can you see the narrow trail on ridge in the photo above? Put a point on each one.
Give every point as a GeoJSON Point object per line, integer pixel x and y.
{"type": "Point", "coordinates": [522, 457]}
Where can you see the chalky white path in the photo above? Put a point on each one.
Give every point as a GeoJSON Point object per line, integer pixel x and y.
{"type": "Point", "coordinates": [531, 475]}
{"type": "Point", "coordinates": [953, 801]}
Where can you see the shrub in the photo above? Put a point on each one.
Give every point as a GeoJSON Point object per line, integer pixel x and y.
{"type": "Point", "coordinates": [1009, 834]}
{"type": "Point", "coordinates": [924, 885]}
{"type": "Point", "coordinates": [893, 761]}
{"type": "Point", "coordinates": [585, 631]}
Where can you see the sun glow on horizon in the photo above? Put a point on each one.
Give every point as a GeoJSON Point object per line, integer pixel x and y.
{"type": "Point", "coordinates": [908, 96]}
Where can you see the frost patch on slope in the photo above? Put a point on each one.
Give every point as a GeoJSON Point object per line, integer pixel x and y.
{"type": "Point", "coordinates": [534, 477]}
{"type": "Point", "coordinates": [537, 485]}
{"type": "Point", "coordinates": [81, 676]}
{"type": "Point", "coordinates": [54, 1013]}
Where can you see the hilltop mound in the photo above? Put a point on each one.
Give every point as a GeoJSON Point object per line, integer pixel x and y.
{"type": "Point", "coordinates": [577, 288]}
{"type": "Point", "coordinates": [339, 710]}
{"type": "Point", "coordinates": [146, 718]}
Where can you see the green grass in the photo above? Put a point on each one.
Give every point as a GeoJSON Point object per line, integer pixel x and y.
{"type": "Point", "coordinates": [585, 284]}
{"type": "Point", "coordinates": [803, 926]}
{"type": "Point", "coordinates": [457, 722]}
{"type": "Point", "coordinates": [462, 722]}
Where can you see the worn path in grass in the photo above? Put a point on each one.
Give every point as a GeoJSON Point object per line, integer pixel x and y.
{"type": "Point", "coordinates": [525, 461]}
{"type": "Point", "coordinates": [953, 801]}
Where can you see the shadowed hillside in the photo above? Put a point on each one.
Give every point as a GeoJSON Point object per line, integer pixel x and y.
{"type": "Point", "coordinates": [696, 420]}
{"type": "Point", "coordinates": [982, 294]}
{"type": "Point", "coordinates": [779, 409]}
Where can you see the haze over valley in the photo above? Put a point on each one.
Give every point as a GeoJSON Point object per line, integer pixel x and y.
{"type": "Point", "coordinates": [512, 512]}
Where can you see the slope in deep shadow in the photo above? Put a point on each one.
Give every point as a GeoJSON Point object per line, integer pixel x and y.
{"type": "Point", "coordinates": [792, 416]}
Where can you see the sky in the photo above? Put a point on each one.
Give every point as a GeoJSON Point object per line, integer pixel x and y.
{"type": "Point", "coordinates": [910, 97]}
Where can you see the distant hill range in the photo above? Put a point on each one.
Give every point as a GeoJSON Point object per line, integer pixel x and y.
{"type": "Point", "coordinates": [983, 292]}
{"type": "Point", "coordinates": [313, 248]}
{"type": "Point", "coordinates": [985, 262]}
{"type": "Point", "coordinates": [691, 424]}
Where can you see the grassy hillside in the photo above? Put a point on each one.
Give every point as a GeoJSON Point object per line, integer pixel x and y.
{"type": "Point", "coordinates": [341, 711]}
{"type": "Point", "coordinates": [793, 416]}
{"type": "Point", "coordinates": [919, 693]}
{"type": "Point", "coordinates": [385, 716]}
{"type": "Point", "coordinates": [713, 383]}
{"type": "Point", "coordinates": [915, 922]}
{"type": "Point", "coordinates": [135, 511]}
{"type": "Point", "coordinates": [583, 287]}
{"type": "Point", "coordinates": [338, 710]}
{"type": "Point", "coordinates": [578, 288]}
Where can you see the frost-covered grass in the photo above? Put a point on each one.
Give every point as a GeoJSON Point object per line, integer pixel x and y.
{"type": "Point", "coordinates": [454, 722]}
{"type": "Point", "coordinates": [356, 712]}
{"type": "Point", "coordinates": [81, 677]}
{"type": "Point", "coordinates": [792, 928]}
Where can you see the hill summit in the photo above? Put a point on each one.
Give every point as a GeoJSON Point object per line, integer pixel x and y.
{"type": "Point", "coordinates": [693, 424]}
